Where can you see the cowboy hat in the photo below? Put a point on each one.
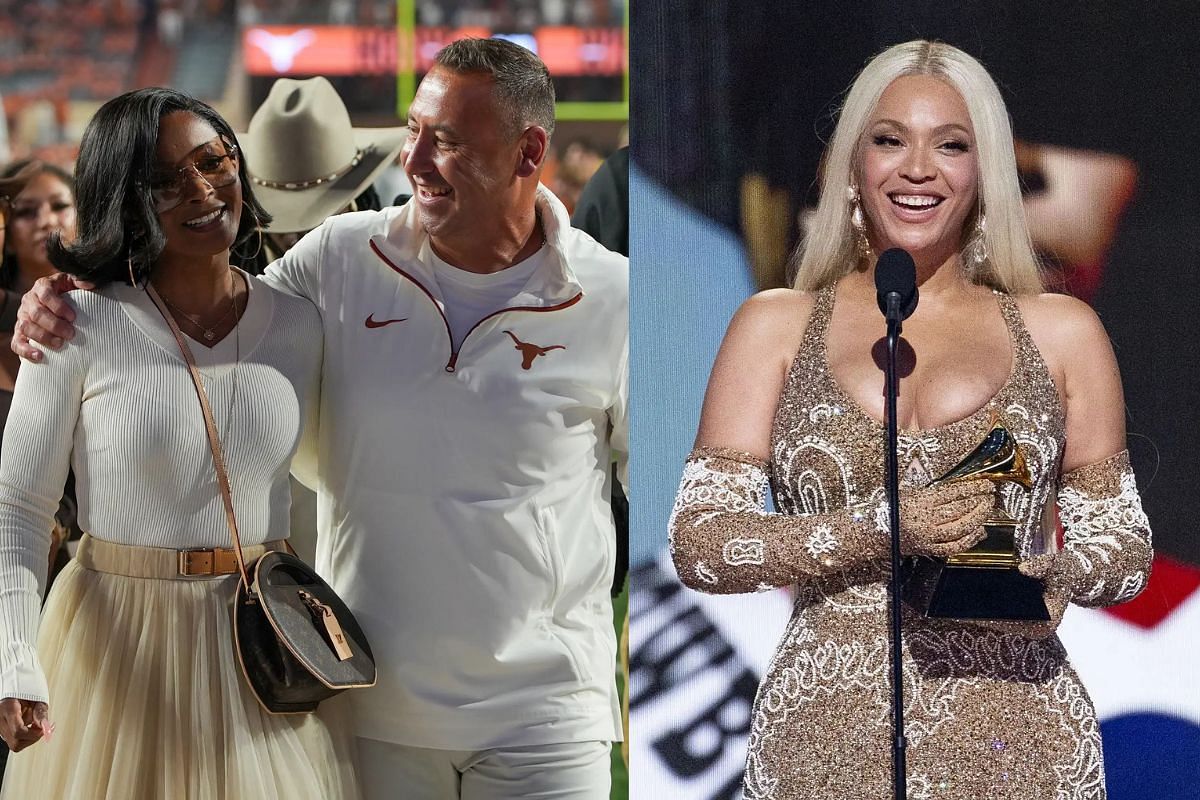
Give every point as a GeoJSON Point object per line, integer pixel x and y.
{"type": "Point", "coordinates": [305, 160]}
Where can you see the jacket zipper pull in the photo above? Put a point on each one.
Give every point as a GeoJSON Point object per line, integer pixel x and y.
{"type": "Point", "coordinates": [333, 629]}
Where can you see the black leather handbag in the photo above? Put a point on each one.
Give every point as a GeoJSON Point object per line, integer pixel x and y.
{"type": "Point", "coordinates": [296, 641]}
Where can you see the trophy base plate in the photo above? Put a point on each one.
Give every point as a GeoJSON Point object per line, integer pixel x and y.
{"type": "Point", "coordinates": [945, 591]}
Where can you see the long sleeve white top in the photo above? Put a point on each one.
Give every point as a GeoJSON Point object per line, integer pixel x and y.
{"type": "Point", "coordinates": [118, 405]}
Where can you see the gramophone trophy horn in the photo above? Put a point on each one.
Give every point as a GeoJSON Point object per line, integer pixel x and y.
{"type": "Point", "coordinates": [983, 582]}
{"type": "Point", "coordinates": [997, 458]}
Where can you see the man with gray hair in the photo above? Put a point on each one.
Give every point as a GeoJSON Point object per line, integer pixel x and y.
{"type": "Point", "coordinates": [474, 390]}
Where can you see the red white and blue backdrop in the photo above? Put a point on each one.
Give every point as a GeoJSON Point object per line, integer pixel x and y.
{"type": "Point", "coordinates": [723, 89]}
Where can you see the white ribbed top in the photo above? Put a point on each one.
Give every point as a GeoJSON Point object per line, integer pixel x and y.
{"type": "Point", "coordinates": [118, 405]}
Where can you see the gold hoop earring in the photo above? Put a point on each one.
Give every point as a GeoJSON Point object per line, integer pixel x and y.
{"type": "Point", "coordinates": [136, 234]}
{"type": "Point", "coordinates": [258, 230]}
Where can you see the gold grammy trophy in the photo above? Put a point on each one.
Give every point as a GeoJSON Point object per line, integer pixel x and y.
{"type": "Point", "coordinates": [983, 582]}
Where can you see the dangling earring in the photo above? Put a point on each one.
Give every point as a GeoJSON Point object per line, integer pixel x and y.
{"type": "Point", "coordinates": [136, 234]}
{"type": "Point", "coordinates": [258, 230]}
{"type": "Point", "coordinates": [975, 254]}
{"type": "Point", "coordinates": [858, 223]}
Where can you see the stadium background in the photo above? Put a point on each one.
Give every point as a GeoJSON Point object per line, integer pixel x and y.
{"type": "Point", "coordinates": [61, 59]}
{"type": "Point", "coordinates": [731, 103]}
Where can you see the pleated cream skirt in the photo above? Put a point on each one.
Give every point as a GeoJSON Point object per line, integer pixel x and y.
{"type": "Point", "coordinates": [149, 703]}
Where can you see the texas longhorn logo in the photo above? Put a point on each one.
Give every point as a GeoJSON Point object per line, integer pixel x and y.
{"type": "Point", "coordinates": [531, 351]}
{"type": "Point", "coordinates": [282, 49]}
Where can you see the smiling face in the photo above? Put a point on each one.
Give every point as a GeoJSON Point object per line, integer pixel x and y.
{"type": "Point", "coordinates": [45, 205]}
{"type": "Point", "coordinates": [460, 157]}
{"type": "Point", "coordinates": [202, 220]}
{"type": "Point", "coordinates": [918, 172]}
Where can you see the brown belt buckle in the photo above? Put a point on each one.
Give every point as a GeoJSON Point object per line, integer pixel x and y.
{"type": "Point", "coordinates": [195, 563]}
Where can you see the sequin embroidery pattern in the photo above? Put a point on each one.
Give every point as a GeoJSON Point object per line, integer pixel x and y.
{"type": "Point", "coordinates": [990, 713]}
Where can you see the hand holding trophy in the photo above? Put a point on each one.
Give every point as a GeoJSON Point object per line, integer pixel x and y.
{"type": "Point", "coordinates": [982, 582]}
{"type": "Point", "coordinates": [940, 520]}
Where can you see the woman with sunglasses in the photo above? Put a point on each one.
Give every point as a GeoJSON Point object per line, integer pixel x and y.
{"type": "Point", "coordinates": [134, 661]}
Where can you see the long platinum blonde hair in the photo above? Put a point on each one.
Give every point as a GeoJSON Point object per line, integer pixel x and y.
{"type": "Point", "coordinates": [828, 250]}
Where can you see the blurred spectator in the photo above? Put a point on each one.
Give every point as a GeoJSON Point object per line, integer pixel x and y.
{"type": "Point", "coordinates": [429, 12]}
{"type": "Point", "coordinates": [554, 12]}
{"type": "Point", "coordinates": [248, 13]}
{"type": "Point", "coordinates": [10, 187]}
{"type": "Point", "coordinates": [42, 202]}
{"type": "Point", "coordinates": [519, 15]}
{"type": "Point", "coordinates": [603, 207]}
{"type": "Point", "coordinates": [341, 12]}
{"type": "Point", "coordinates": [72, 49]}
{"type": "Point", "coordinates": [45, 205]}
{"type": "Point", "coordinates": [585, 14]}
{"type": "Point", "coordinates": [338, 12]}
{"type": "Point", "coordinates": [603, 212]}
{"type": "Point", "coordinates": [579, 161]}
{"type": "Point", "coordinates": [170, 22]}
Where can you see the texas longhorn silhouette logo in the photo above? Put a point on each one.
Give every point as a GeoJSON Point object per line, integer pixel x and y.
{"type": "Point", "coordinates": [531, 351]}
{"type": "Point", "coordinates": [281, 49]}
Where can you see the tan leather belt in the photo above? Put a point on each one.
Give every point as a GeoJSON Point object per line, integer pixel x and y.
{"type": "Point", "coordinates": [217, 561]}
{"type": "Point", "coordinates": [161, 562]}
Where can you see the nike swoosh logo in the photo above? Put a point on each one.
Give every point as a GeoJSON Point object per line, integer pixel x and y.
{"type": "Point", "coordinates": [371, 322]}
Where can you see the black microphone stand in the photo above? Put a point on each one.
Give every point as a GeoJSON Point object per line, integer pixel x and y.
{"type": "Point", "coordinates": [891, 389]}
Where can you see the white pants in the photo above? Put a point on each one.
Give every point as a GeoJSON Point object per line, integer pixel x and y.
{"type": "Point", "coordinates": [571, 771]}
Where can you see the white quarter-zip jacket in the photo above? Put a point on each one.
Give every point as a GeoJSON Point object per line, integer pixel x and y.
{"type": "Point", "coordinates": [463, 495]}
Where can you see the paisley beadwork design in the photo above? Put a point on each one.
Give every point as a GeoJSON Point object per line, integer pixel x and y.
{"type": "Point", "coordinates": [1106, 532]}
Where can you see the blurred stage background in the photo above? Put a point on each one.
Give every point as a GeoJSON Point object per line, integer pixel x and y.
{"type": "Point", "coordinates": [731, 104]}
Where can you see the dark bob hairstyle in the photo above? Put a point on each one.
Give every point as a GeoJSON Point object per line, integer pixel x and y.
{"type": "Point", "coordinates": [9, 267]}
{"type": "Point", "coordinates": [117, 226]}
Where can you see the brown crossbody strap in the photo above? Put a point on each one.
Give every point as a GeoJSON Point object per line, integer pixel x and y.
{"type": "Point", "coordinates": [214, 443]}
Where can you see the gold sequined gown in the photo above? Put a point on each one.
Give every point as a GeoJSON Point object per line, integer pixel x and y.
{"type": "Point", "coordinates": [989, 713]}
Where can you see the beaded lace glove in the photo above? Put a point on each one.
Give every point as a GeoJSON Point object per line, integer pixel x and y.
{"type": "Point", "coordinates": [944, 520]}
{"type": "Point", "coordinates": [1106, 552]}
{"type": "Point", "coordinates": [723, 540]}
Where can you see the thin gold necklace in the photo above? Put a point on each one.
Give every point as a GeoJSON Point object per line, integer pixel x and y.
{"type": "Point", "coordinates": [208, 333]}
{"type": "Point", "coordinates": [237, 362]}
{"type": "Point", "coordinates": [237, 359]}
